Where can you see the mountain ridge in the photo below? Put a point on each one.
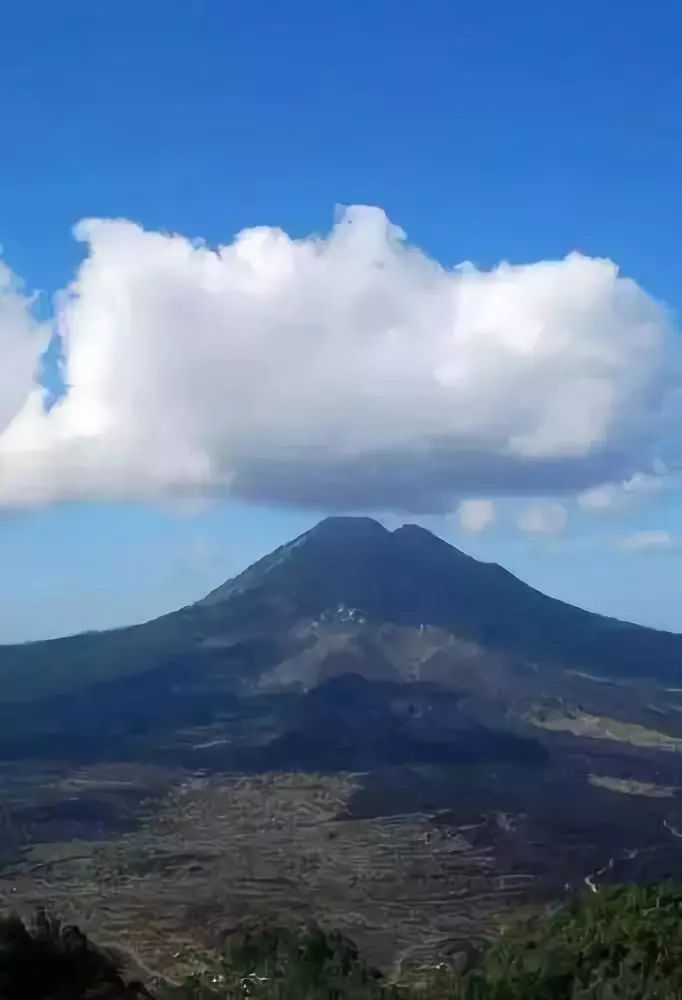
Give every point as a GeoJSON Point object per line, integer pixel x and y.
{"type": "Point", "coordinates": [407, 578]}
{"type": "Point", "coordinates": [407, 530]}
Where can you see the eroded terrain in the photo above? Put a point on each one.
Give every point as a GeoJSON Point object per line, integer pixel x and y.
{"type": "Point", "coordinates": [415, 862]}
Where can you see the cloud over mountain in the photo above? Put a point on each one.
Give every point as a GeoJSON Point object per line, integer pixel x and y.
{"type": "Point", "coordinates": [475, 516]}
{"type": "Point", "coordinates": [344, 370]}
{"type": "Point", "coordinates": [543, 518]}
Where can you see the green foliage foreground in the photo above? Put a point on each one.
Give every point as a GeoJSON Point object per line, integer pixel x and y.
{"type": "Point", "coordinates": [277, 964]}
{"type": "Point", "coordinates": [624, 942]}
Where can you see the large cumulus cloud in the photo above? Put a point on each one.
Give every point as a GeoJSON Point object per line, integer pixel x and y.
{"type": "Point", "coordinates": [349, 370]}
{"type": "Point", "coordinates": [22, 341]}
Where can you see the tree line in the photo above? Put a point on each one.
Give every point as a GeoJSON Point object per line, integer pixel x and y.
{"type": "Point", "coordinates": [623, 942]}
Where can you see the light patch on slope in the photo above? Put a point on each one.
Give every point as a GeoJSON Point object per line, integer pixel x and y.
{"type": "Point", "coordinates": [630, 787]}
{"type": "Point", "coordinates": [601, 727]}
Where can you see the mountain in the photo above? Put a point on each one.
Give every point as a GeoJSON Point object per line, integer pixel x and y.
{"type": "Point", "coordinates": [396, 607]}
{"type": "Point", "coordinates": [363, 722]}
{"type": "Point", "coordinates": [410, 577]}
{"type": "Point", "coordinates": [320, 589]}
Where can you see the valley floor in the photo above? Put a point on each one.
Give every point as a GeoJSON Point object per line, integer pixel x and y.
{"type": "Point", "coordinates": [414, 863]}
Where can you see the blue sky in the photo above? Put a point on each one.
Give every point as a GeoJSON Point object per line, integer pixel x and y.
{"type": "Point", "coordinates": [494, 132]}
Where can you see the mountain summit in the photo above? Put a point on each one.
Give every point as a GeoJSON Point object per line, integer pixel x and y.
{"type": "Point", "coordinates": [411, 577]}
{"type": "Point", "coordinates": [350, 594]}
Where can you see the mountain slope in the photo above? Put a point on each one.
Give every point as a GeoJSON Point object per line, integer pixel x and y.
{"type": "Point", "coordinates": [411, 577]}
{"type": "Point", "coordinates": [350, 588]}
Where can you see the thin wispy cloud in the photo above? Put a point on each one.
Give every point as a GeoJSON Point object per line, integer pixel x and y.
{"type": "Point", "coordinates": [619, 498]}
{"type": "Point", "coordinates": [543, 519]}
{"type": "Point", "coordinates": [647, 541]}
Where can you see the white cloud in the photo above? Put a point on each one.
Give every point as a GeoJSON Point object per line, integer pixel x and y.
{"type": "Point", "coordinates": [599, 499]}
{"type": "Point", "coordinates": [617, 498]}
{"type": "Point", "coordinates": [475, 516]}
{"type": "Point", "coordinates": [22, 341]}
{"type": "Point", "coordinates": [347, 370]}
{"type": "Point", "coordinates": [647, 541]}
{"type": "Point", "coordinates": [543, 518]}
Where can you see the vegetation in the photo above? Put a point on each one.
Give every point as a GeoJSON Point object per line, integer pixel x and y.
{"type": "Point", "coordinates": [48, 961]}
{"type": "Point", "coordinates": [278, 964]}
{"type": "Point", "coordinates": [601, 727]}
{"type": "Point", "coordinates": [623, 942]}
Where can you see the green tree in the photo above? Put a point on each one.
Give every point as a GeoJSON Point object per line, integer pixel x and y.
{"type": "Point", "coordinates": [623, 942]}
